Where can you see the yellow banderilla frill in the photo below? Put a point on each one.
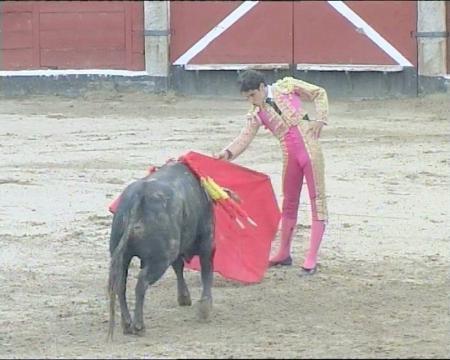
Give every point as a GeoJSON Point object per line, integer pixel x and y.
{"type": "Point", "coordinates": [214, 191]}
{"type": "Point", "coordinates": [221, 197]}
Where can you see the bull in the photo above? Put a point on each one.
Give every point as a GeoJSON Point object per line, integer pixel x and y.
{"type": "Point", "coordinates": [163, 219]}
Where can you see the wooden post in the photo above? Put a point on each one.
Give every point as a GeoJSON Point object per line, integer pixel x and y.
{"type": "Point", "coordinates": [156, 32]}
{"type": "Point", "coordinates": [447, 5]}
{"type": "Point", "coordinates": [432, 38]}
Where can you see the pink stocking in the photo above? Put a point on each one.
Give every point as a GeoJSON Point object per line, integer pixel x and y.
{"type": "Point", "coordinates": [317, 230]}
{"type": "Point", "coordinates": [287, 232]}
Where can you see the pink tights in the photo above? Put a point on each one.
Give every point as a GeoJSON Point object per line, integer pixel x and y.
{"type": "Point", "coordinates": [297, 166]}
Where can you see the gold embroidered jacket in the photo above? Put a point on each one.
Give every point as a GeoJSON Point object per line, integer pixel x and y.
{"type": "Point", "coordinates": [288, 94]}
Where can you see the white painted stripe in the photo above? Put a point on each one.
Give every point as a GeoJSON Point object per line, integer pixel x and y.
{"type": "Point", "coordinates": [235, 66]}
{"type": "Point", "coordinates": [281, 66]}
{"type": "Point", "coordinates": [350, 67]}
{"type": "Point", "coordinates": [103, 72]}
{"type": "Point", "coordinates": [356, 20]}
{"type": "Point", "coordinates": [234, 16]}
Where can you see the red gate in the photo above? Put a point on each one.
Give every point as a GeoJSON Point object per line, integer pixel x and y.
{"type": "Point", "coordinates": [331, 34]}
{"type": "Point", "coordinates": [259, 34]}
{"type": "Point", "coordinates": [447, 9]}
{"type": "Point", "coordinates": [355, 32]}
{"type": "Point", "coordinates": [72, 35]}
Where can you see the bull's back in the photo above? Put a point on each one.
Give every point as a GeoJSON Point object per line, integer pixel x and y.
{"type": "Point", "coordinates": [172, 192]}
{"type": "Point", "coordinates": [184, 184]}
{"type": "Point", "coordinates": [187, 189]}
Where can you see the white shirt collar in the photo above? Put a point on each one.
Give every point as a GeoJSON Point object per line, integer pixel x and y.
{"type": "Point", "coordinates": [269, 91]}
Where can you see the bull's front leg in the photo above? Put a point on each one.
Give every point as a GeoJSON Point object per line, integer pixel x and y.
{"type": "Point", "coordinates": [184, 298]}
{"type": "Point", "coordinates": [205, 304]}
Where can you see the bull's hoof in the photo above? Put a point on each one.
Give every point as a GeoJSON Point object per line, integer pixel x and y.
{"type": "Point", "coordinates": [204, 309]}
{"type": "Point", "coordinates": [184, 300]}
{"type": "Point", "coordinates": [127, 329]}
{"type": "Point", "coordinates": [138, 330]}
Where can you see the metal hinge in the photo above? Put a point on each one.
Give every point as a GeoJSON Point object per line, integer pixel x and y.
{"type": "Point", "coordinates": [156, 32]}
{"type": "Point", "coordinates": [431, 34]}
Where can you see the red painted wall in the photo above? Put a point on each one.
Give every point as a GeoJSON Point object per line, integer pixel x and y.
{"type": "Point", "coordinates": [109, 34]}
{"type": "Point", "coordinates": [396, 21]}
{"type": "Point", "coordinates": [294, 32]}
{"type": "Point", "coordinates": [447, 4]}
{"type": "Point", "coordinates": [72, 35]}
{"type": "Point", "coordinates": [264, 35]}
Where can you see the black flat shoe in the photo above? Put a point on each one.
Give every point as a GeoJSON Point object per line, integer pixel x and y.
{"type": "Point", "coordinates": [307, 272]}
{"type": "Point", "coordinates": [285, 262]}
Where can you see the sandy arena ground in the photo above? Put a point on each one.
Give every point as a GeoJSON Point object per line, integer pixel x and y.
{"type": "Point", "coordinates": [382, 288]}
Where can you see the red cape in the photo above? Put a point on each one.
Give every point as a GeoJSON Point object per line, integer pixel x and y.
{"type": "Point", "coordinates": [240, 254]}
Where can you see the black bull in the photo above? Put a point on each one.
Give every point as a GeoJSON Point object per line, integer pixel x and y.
{"type": "Point", "coordinates": [163, 219]}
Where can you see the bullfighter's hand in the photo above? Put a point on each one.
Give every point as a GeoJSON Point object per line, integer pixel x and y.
{"type": "Point", "coordinates": [316, 128]}
{"type": "Point", "coordinates": [222, 155]}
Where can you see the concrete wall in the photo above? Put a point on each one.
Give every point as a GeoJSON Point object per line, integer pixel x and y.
{"type": "Point", "coordinates": [339, 84]}
{"type": "Point", "coordinates": [156, 32]}
{"type": "Point", "coordinates": [78, 85]}
{"type": "Point", "coordinates": [432, 42]}
{"type": "Point", "coordinates": [432, 36]}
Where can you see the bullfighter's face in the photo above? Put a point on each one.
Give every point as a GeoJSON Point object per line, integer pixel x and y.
{"type": "Point", "coordinates": [257, 96]}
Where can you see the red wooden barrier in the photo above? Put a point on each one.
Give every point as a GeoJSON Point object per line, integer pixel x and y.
{"type": "Point", "coordinates": [72, 35]}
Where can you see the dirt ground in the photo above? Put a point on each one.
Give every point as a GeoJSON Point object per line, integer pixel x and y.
{"type": "Point", "coordinates": [382, 287]}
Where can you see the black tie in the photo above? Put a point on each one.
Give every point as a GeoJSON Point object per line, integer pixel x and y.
{"type": "Point", "coordinates": [270, 102]}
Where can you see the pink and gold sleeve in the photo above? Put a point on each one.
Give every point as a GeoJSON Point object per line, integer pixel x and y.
{"type": "Point", "coordinates": [243, 140]}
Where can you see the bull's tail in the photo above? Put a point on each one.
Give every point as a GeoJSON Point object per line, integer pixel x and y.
{"type": "Point", "coordinates": [116, 272]}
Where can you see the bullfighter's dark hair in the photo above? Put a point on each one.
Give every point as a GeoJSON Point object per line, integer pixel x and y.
{"type": "Point", "coordinates": [250, 80]}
